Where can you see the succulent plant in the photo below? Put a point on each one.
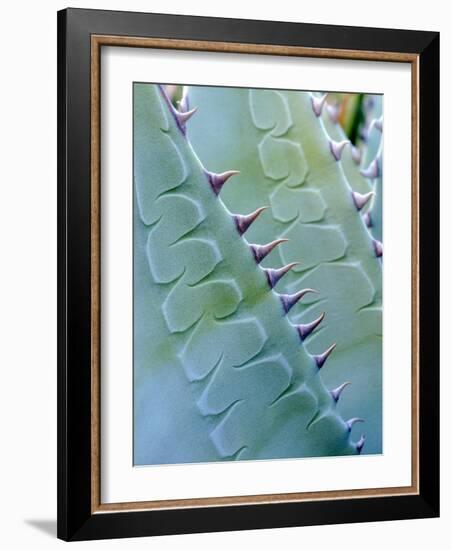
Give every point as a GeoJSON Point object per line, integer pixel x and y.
{"type": "Point", "coordinates": [287, 160]}
{"type": "Point", "coordinates": [351, 156]}
{"type": "Point", "coordinates": [221, 372]}
{"type": "Point", "coordinates": [372, 169]}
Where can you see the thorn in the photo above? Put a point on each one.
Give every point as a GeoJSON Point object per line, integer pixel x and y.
{"type": "Point", "coordinates": [318, 103]}
{"type": "Point", "coordinates": [183, 104]}
{"type": "Point", "coordinates": [360, 443]}
{"type": "Point", "coordinates": [361, 200]}
{"type": "Point", "coordinates": [260, 251]}
{"type": "Point", "coordinates": [337, 391]}
{"type": "Point", "coordinates": [218, 180]}
{"type": "Point", "coordinates": [356, 154]}
{"type": "Point", "coordinates": [321, 359]}
{"type": "Point", "coordinates": [350, 423]}
{"type": "Point", "coordinates": [336, 147]}
{"type": "Point", "coordinates": [305, 330]}
{"type": "Point", "coordinates": [244, 222]}
{"type": "Point", "coordinates": [378, 248]}
{"type": "Point", "coordinates": [372, 171]}
{"type": "Point", "coordinates": [289, 300]}
{"type": "Point", "coordinates": [367, 219]}
{"type": "Point", "coordinates": [184, 116]}
{"type": "Point", "coordinates": [176, 114]}
{"type": "Point", "coordinates": [376, 123]}
{"type": "Point", "coordinates": [333, 110]}
{"type": "Point", "coordinates": [274, 275]}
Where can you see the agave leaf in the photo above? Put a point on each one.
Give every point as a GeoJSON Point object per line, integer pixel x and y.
{"type": "Point", "coordinates": [373, 166]}
{"type": "Point", "coordinates": [220, 373]}
{"type": "Point", "coordinates": [350, 159]}
{"type": "Point", "coordinates": [286, 159]}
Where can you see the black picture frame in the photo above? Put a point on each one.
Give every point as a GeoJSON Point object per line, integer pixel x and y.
{"type": "Point", "coordinates": [76, 520]}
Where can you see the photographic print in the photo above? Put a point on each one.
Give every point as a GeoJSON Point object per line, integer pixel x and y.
{"type": "Point", "coordinates": [236, 349]}
{"type": "Point", "coordinates": [257, 286]}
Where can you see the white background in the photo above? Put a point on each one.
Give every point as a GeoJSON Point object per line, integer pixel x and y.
{"type": "Point", "coordinates": [120, 481]}
{"type": "Point", "coordinates": [28, 274]}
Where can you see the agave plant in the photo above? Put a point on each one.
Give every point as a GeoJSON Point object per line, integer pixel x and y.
{"type": "Point", "coordinates": [290, 160]}
{"type": "Point", "coordinates": [246, 282]}
{"type": "Point", "coordinates": [372, 169]}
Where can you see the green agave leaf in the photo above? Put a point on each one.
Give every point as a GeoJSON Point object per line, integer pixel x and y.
{"type": "Point", "coordinates": [278, 141]}
{"type": "Point", "coordinates": [373, 169]}
{"type": "Point", "coordinates": [372, 110]}
{"type": "Point", "coordinates": [351, 155]}
{"type": "Point", "coordinates": [220, 373]}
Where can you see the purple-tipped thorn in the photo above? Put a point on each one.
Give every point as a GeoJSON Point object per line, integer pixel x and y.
{"type": "Point", "coordinates": [289, 300]}
{"type": "Point", "coordinates": [336, 147]}
{"type": "Point", "coordinates": [179, 116]}
{"type": "Point", "coordinates": [244, 222]}
{"type": "Point", "coordinates": [333, 110]}
{"type": "Point", "coordinates": [318, 103]}
{"type": "Point", "coordinates": [361, 200]}
{"type": "Point", "coordinates": [372, 171]}
{"type": "Point", "coordinates": [367, 219]}
{"type": "Point", "coordinates": [377, 123]}
{"type": "Point", "coordinates": [218, 180]}
{"type": "Point", "coordinates": [337, 391]}
{"type": "Point", "coordinates": [378, 248]}
{"type": "Point", "coordinates": [184, 116]}
{"type": "Point", "coordinates": [308, 328]}
{"type": "Point", "coordinates": [321, 359]}
{"type": "Point", "coordinates": [274, 275]}
{"type": "Point", "coordinates": [260, 251]}
{"type": "Point", "coordinates": [183, 104]}
{"type": "Point", "coordinates": [356, 154]}
{"type": "Point", "coordinates": [350, 423]}
{"type": "Point", "coordinates": [360, 443]}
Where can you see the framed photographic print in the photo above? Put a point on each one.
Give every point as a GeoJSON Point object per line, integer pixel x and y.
{"type": "Point", "coordinates": [248, 274]}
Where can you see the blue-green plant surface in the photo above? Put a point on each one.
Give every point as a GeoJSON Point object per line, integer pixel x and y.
{"type": "Point", "coordinates": [257, 295]}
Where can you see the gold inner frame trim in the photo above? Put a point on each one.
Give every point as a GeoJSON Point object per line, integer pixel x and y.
{"type": "Point", "coordinates": [97, 41]}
